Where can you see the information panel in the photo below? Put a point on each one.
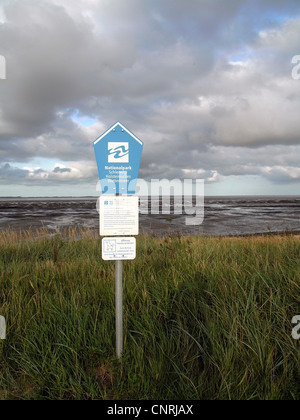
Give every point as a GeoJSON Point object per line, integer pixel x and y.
{"type": "Point", "coordinates": [119, 216]}
{"type": "Point", "coordinates": [114, 249]}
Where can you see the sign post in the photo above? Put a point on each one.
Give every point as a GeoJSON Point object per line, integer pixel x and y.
{"type": "Point", "coordinates": [118, 154]}
{"type": "Point", "coordinates": [119, 307]}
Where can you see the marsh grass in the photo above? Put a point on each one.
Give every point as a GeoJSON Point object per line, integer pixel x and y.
{"type": "Point", "coordinates": [204, 318]}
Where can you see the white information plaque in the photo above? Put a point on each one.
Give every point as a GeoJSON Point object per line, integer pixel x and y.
{"type": "Point", "coordinates": [115, 249]}
{"type": "Point", "coordinates": [119, 216]}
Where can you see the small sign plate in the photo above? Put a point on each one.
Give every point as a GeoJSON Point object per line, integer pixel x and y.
{"type": "Point", "coordinates": [118, 249]}
{"type": "Point", "coordinates": [119, 216]}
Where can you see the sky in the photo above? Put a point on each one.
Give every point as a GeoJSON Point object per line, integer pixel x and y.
{"type": "Point", "coordinates": [206, 84]}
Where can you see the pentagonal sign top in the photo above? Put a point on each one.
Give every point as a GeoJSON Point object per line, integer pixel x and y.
{"type": "Point", "coordinates": [118, 154]}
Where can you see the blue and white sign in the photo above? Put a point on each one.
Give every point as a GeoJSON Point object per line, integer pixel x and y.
{"type": "Point", "coordinates": [118, 154]}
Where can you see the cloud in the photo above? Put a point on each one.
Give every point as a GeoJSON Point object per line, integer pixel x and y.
{"type": "Point", "coordinates": [57, 170]}
{"type": "Point", "coordinates": [280, 174]}
{"type": "Point", "coordinates": [205, 84]}
{"type": "Point", "coordinates": [7, 172]}
{"type": "Point", "coordinates": [77, 171]}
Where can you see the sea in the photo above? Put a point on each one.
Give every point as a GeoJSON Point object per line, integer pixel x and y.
{"type": "Point", "coordinates": [223, 216]}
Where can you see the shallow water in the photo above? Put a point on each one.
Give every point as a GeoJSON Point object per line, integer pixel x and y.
{"type": "Point", "coordinates": [222, 215]}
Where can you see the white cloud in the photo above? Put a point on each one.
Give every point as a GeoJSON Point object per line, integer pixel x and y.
{"type": "Point", "coordinates": [207, 86]}
{"type": "Point", "coordinates": [282, 174]}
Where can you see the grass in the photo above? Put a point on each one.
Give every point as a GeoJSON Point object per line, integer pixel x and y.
{"type": "Point", "coordinates": [204, 318]}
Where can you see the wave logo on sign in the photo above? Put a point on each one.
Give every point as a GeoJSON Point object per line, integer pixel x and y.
{"type": "Point", "coordinates": [118, 152]}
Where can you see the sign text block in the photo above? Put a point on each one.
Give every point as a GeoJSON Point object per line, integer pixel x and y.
{"type": "Point", "coordinates": [119, 216]}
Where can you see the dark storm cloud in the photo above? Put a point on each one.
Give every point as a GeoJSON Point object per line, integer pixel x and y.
{"type": "Point", "coordinates": [39, 176]}
{"type": "Point", "coordinates": [205, 83]}
{"type": "Point", "coordinates": [10, 173]}
{"type": "Point", "coordinates": [61, 170]}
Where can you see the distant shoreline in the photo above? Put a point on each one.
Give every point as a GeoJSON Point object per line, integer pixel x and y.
{"type": "Point", "coordinates": [96, 196]}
